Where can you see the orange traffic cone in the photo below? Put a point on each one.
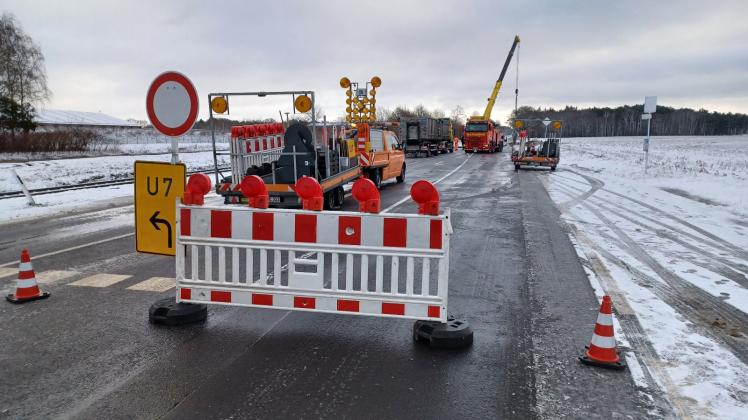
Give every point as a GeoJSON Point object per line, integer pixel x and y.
{"type": "Point", "coordinates": [26, 287]}
{"type": "Point", "coordinates": [602, 349]}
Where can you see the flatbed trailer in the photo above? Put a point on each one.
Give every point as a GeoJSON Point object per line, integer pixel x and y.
{"type": "Point", "coordinates": [537, 152]}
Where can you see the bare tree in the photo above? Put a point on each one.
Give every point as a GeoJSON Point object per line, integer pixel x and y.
{"type": "Point", "coordinates": [23, 77]}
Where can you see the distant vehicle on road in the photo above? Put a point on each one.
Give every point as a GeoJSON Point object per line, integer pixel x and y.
{"type": "Point", "coordinates": [424, 136]}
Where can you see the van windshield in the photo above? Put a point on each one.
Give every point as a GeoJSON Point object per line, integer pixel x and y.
{"type": "Point", "coordinates": [476, 127]}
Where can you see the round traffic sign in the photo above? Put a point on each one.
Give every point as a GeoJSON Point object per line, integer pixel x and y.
{"type": "Point", "coordinates": [172, 104]}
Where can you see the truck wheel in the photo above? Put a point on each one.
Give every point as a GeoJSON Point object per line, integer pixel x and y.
{"type": "Point", "coordinates": [401, 178]}
{"type": "Point", "coordinates": [329, 198]}
{"type": "Point", "coordinates": [339, 197]}
{"type": "Point", "coordinates": [553, 168]}
{"type": "Point", "coordinates": [376, 177]}
{"type": "Point", "coordinates": [516, 167]}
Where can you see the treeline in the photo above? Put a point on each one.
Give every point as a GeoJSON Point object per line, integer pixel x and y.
{"type": "Point", "coordinates": [626, 121]}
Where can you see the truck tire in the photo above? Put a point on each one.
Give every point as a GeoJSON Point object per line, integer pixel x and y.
{"type": "Point", "coordinates": [329, 200]}
{"type": "Point", "coordinates": [516, 167]}
{"type": "Point", "coordinates": [376, 177]}
{"type": "Point", "coordinates": [339, 197]}
{"type": "Point", "coordinates": [553, 168]}
{"type": "Point", "coordinates": [401, 178]}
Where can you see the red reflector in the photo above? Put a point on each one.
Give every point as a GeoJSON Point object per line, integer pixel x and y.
{"type": "Point", "coordinates": [434, 312]}
{"type": "Point", "coordinates": [304, 302]}
{"type": "Point", "coordinates": [393, 308]}
{"type": "Point", "coordinates": [185, 294]}
{"type": "Point", "coordinates": [262, 299]}
{"type": "Point", "coordinates": [220, 296]}
{"type": "Point", "coordinates": [348, 305]}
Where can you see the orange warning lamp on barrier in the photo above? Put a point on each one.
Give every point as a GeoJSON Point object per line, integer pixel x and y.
{"type": "Point", "coordinates": [253, 187]}
{"type": "Point", "coordinates": [310, 193]}
{"type": "Point", "coordinates": [367, 195]}
{"type": "Point", "coordinates": [197, 186]}
{"type": "Point", "coordinates": [425, 194]}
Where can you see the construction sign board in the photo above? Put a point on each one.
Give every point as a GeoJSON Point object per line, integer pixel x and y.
{"type": "Point", "coordinates": [158, 185]}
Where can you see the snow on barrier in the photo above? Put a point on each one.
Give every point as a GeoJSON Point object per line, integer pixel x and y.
{"type": "Point", "coordinates": [384, 265]}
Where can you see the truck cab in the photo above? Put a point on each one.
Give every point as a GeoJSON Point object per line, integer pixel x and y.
{"type": "Point", "coordinates": [482, 136]}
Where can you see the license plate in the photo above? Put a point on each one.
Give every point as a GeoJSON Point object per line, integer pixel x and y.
{"type": "Point", "coordinates": [275, 199]}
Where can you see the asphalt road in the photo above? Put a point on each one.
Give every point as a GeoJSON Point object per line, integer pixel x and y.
{"type": "Point", "coordinates": [89, 352]}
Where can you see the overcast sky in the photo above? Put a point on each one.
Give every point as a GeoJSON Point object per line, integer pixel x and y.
{"type": "Point", "coordinates": [102, 55]}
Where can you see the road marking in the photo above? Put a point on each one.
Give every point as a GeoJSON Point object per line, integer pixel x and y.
{"type": "Point", "coordinates": [52, 276]}
{"type": "Point", "coordinates": [72, 248]}
{"type": "Point", "coordinates": [101, 280]}
{"type": "Point", "coordinates": [6, 272]}
{"type": "Point", "coordinates": [406, 198]}
{"type": "Point", "coordinates": [155, 284]}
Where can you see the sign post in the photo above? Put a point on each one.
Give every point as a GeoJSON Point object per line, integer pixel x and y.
{"type": "Point", "coordinates": [650, 106]}
{"type": "Point", "coordinates": [172, 106]}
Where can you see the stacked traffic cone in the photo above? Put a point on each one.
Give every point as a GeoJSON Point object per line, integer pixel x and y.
{"type": "Point", "coordinates": [602, 349]}
{"type": "Point", "coordinates": [26, 287]}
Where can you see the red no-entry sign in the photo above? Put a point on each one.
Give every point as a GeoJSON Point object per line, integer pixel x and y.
{"type": "Point", "coordinates": [172, 104]}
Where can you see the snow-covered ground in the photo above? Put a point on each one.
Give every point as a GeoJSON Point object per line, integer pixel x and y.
{"type": "Point", "coordinates": [120, 141]}
{"type": "Point", "coordinates": [41, 174]}
{"type": "Point", "coordinates": [671, 248]}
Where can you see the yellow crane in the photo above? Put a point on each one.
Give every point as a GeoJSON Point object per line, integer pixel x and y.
{"type": "Point", "coordinates": [480, 134]}
{"type": "Point", "coordinates": [497, 87]}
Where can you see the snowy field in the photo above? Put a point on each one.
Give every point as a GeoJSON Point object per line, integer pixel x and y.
{"type": "Point", "coordinates": [127, 141]}
{"type": "Point", "coordinates": [40, 174]}
{"type": "Point", "coordinates": [671, 248]}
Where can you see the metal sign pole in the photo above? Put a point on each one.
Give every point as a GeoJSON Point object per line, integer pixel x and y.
{"type": "Point", "coordinates": [174, 150]}
{"type": "Point", "coordinates": [646, 147]}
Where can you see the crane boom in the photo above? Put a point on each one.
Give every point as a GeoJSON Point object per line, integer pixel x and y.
{"type": "Point", "coordinates": [497, 87]}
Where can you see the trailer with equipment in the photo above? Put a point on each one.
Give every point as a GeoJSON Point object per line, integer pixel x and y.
{"type": "Point", "coordinates": [543, 151]}
{"type": "Point", "coordinates": [481, 134]}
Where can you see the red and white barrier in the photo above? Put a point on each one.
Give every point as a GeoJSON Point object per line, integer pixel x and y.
{"type": "Point", "coordinates": [389, 265]}
{"type": "Point", "coordinates": [253, 145]}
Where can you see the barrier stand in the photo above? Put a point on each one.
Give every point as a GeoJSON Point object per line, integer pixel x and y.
{"type": "Point", "coordinates": [346, 263]}
{"type": "Point", "coordinates": [454, 333]}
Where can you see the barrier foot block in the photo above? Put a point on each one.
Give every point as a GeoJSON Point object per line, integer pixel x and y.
{"type": "Point", "coordinates": [620, 365]}
{"type": "Point", "coordinates": [13, 299]}
{"type": "Point", "coordinates": [453, 334]}
{"type": "Point", "coordinates": [168, 312]}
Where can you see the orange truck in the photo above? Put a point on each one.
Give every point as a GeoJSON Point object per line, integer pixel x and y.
{"type": "Point", "coordinates": [380, 154]}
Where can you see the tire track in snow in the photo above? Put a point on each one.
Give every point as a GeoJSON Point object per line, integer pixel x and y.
{"type": "Point", "coordinates": [732, 248]}
{"type": "Point", "coordinates": [724, 267]}
{"type": "Point", "coordinates": [697, 305]}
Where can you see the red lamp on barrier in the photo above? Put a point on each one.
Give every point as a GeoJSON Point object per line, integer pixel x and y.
{"type": "Point", "coordinates": [425, 194]}
{"type": "Point", "coordinates": [197, 186]}
{"type": "Point", "coordinates": [310, 193]}
{"type": "Point", "coordinates": [367, 195]}
{"type": "Point", "coordinates": [253, 187]}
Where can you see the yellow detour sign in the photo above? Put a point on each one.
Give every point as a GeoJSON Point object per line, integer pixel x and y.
{"type": "Point", "coordinates": [556, 125]}
{"type": "Point", "coordinates": [157, 187]}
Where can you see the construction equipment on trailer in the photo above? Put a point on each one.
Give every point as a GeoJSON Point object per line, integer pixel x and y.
{"type": "Point", "coordinates": [282, 156]}
{"type": "Point", "coordinates": [425, 136]}
{"type": "Point", "coordinates": [542, 151]}
{"type": "Point", "coordinates": [346, 263]}
{"type": "Point", "coordinates": [481, 135]}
